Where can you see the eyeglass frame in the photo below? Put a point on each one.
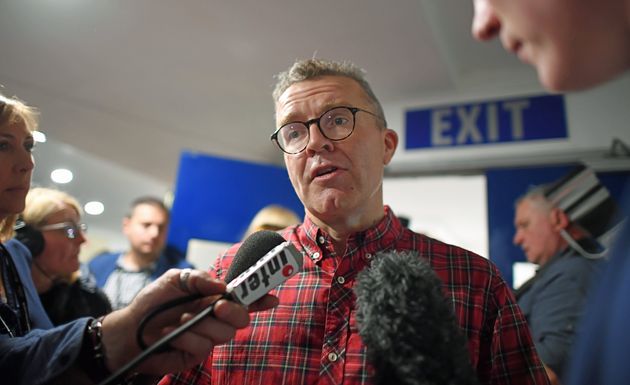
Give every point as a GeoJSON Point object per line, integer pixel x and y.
{"type": "Point", "coordinates": [71, 229]}
{"type": "Point", "coordinates": [308, 123]}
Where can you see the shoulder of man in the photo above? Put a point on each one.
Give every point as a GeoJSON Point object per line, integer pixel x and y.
{"type": "Point", "coordinates": [463, 273]}
{"type": "Point", "coordinates": [576, 266]}
{"type": "Point", "coordinates": [171, 258]}
{"type": "Point", "coordinates": [444, 256]}
{"type": "Point", "coordinates": [104, 259]}
{"type": "Point", "coordinates": [102, 266]}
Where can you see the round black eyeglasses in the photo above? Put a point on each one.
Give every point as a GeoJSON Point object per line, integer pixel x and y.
{"type": "Point", "coordinates": [335, 124]}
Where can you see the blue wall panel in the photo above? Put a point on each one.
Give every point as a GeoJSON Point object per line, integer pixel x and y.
{"type": "Point", "coordinates": [216, 198]}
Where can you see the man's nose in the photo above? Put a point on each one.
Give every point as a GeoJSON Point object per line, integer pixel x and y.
{"type": "Point", "coordinates": [80, 237]}
{"type": "Point", "coordinates": [517, 240]}
{"type": "Point", "coordinates": [317, 140]}
{"type": "Point", "coordinates": [486, 25]}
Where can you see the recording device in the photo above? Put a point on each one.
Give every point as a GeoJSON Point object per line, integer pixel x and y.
{"type": "Point", "coordinates": [280, 263]}
{"type": "Point", "coordinates": [31, 237]}
{"type": "Point", "coordinates": [263, 261]}
{"type": "Point", "coordinates": [407, 324]}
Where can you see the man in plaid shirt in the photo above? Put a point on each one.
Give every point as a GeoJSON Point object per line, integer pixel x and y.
{"type": "Point", "coordinates": [336, 144]}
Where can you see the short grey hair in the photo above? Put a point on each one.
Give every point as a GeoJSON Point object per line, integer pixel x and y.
{"type": "Point", "coordinates": [308, 69]}
{"type": "Point", "coordinates": [536, 194]}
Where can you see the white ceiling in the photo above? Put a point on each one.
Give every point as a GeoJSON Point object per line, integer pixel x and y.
{"type": "Point", "coordinates": [134, 82]}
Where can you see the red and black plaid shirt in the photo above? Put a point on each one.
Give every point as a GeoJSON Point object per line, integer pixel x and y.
{"type": "Point", "coordinates": [312, 337]}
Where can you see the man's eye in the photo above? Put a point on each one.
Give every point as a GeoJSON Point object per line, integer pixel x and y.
{"type": "Point", "coordinates": [293, 134]}
{"type": "Point", "coordinates": [341, 121]}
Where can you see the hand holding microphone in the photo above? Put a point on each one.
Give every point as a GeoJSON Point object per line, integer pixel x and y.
{"type": "Point", "coordinates": [193, 345]}
{"type": "Point", "coordinates": [208, 312]}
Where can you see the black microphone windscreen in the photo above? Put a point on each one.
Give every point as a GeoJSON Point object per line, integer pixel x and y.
{"type": "Point", "coordinates": [252, 249]}
{"type": "Point", "coordinates": [407, 324]}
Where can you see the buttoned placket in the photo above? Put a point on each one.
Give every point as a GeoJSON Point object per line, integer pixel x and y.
{"type": "Point", "coordinates": [337, 324]}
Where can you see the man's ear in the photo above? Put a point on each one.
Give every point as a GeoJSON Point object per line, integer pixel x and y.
{"type": "Point", "coordinates": [391, 142]}
{"type": "Point", "coordinates": [125, 224]}
{"type": "Point", "coordinates": [559, 219]}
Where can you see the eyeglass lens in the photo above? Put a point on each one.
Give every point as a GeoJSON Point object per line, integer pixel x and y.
{"type": "Point", "coordinates": [72, 230]}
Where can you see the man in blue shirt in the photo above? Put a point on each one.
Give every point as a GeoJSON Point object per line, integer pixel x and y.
{"type": "Point", "coordinates": [557, 226]}
{"type": "Point", "coordinates": [122, 275]}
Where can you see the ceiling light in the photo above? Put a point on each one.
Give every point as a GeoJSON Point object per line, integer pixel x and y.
{"type": "Point", "coordinates": [39, 136]}
{"type": "Point", "coordinates": [94, 208]}
{"type": "Point", "coordinates": [61, 175]}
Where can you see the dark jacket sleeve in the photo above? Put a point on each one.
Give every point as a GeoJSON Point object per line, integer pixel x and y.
{"type": "Point", "coordinates": [41, 355]}
{"type": "Point", "coordinates": [44, 352]}
{"type": "Point", "coordinates": [22, 261]}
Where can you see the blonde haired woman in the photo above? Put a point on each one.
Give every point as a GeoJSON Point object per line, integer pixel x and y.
{"type": "Point", "coordinates": [53, 217]}
{"type": "Point", "coordinates": [272, 217]}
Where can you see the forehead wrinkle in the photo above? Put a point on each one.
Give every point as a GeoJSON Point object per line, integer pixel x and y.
{"type": "Point", "coordinates": [293, 109]}
{"type": "Point", "coordinates": [292, 101]}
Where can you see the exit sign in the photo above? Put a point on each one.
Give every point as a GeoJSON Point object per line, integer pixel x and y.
{"type": "Point", "coordinates": [484, 123]}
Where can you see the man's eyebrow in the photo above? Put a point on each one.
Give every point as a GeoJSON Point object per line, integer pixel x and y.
{"type": "Point", "coordinates": [325, 107]}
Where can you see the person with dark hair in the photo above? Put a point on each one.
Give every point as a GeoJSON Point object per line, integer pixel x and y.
{"type": "Point", "coordinates": [86, 350]}
{"type": "Point", "coordinates": [336, 144]}
{"type": "Point", "coordinates": [123, 274]}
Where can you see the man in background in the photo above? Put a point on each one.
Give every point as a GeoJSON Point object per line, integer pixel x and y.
{"type": "Point", "coordinates": [575, 45]}
{"type": "Point", "coordinates": [123, 274]}
{"type": "Point", "coordinates": [557, 226]}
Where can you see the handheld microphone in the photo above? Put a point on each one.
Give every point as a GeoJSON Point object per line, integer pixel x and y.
{"type": "Point", "coordinates": [407, 324]}
{"type": "Point", "coordinates": [281, 261]}
{"type": "Point", "coordinates": [263, 261]}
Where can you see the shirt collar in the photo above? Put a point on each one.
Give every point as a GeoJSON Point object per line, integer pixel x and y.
{"type": "Point", "coordinates": [120, 264]}
{"type": "Point", "coordinates": [381, 236]}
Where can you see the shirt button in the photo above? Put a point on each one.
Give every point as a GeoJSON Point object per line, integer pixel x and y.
{"type": "Point", "coordinates": [341, 280]}
{"type": "Point", "coordinates": [368, 256]}
{"type": "Point", "coordinates": [332, 357]}
{"type": "Point", "coordinates": [315, 255]}
{"type": "Point", "coordinates": [321, 239]}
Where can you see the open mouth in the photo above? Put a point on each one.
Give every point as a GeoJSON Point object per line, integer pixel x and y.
{"type": "Point", "coordinates": [325, 171]}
